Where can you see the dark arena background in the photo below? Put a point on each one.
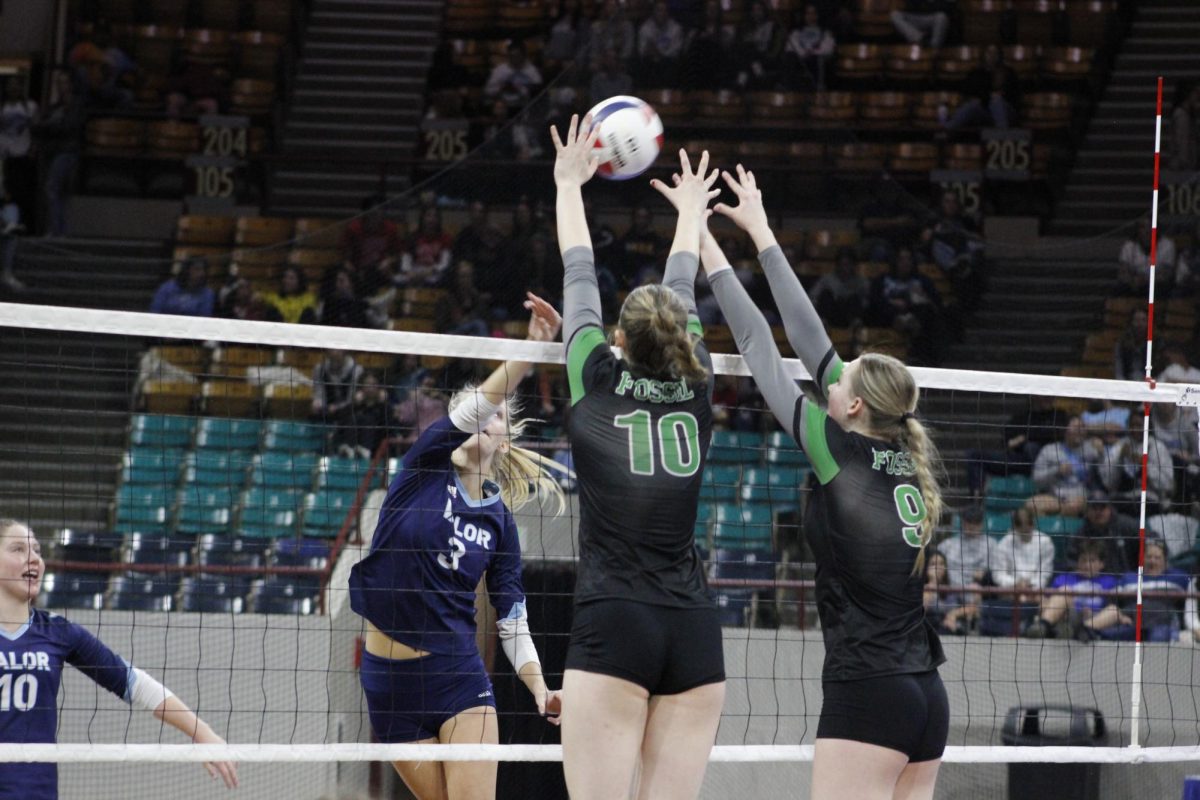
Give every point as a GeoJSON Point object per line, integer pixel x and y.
{"type": "Point", "coordinates": [333, 209]}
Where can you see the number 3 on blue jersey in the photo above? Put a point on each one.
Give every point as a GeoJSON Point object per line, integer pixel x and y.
{"type": "Point", "coordinates": [678, 442]}
{"type": "Point", "coordinates": [911, 508]}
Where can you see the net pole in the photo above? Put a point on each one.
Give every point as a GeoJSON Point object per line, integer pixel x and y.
{"type": "Point", "coordinates": [1136, 692]}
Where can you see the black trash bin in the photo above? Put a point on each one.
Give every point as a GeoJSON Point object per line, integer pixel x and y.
{"type": "Point", "coordinates": [1051, 725]}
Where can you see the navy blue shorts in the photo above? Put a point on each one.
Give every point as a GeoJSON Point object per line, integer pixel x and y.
{"type": "Point", "coordinates": [909, 713]}
{"type": "Point", "coordinates": [663, 650]}
{"type": "Point", "coordinates": [411, 699]}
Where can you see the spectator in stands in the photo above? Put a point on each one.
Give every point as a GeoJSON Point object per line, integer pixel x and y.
{"type": "Point", "coordinates": [58, 135]}
{"type": "Point", "coordinates": [292, 300]}
{"type": "Point", "coordinates": [17, 165]}
{"type": "Point", "coordinates": [660, 46]}
{"type": "Point", "coordinates": [641, 248]}
{"type": "Point", "coordinates": [759, 47]}
{"type": "Point", "coordinates": [514, 80]}
{"type": "Point", "coordinates": [238, 300]}
{"type": "Point", "coordinates": [969, 553]}
{"type": "Point", "coordinates": [807, 52]}
{"type": "Point", "coordinates": [611, 31]}
{"type": "Point", "coordinates": [194, 89]}
{"type": "Point", "coordinates": [1023, 436]}
{"type": "Point", "coordinates": [708, 50]}
{"type": "Point", "coordinates": [480, 241]}
{"type": "Point", "coordinates": [342, 306]}
{"type": "Point", "coordinates": [924, 18]}
{"type": "Point", "coordinates": [188, 293]}
{"type": "Point", "coordinates": [10, 226]}
{"type": "Point", "coordinates": [1061, 472]}
{"type": "Point", "coordinates": [1182, 143]}
{"type": "Point", "coordinates": [102, 70]}
{"type": "Point", "coordinates": [1177, 433]}
{"type": "Point", "coordinates": [1187, 266]}
{"type": "Point", "coordinates": [950, 612]}
{"type": "Point", "coordinates": [1133, 264]}
{"type": "Point", "coordinates": [1177, 531]}
{"type": "Point", "coordinates": [841, 296]}
{"type": "Point", "coordinates": [952, 244]}
{"type": "Point", "coordinates": [568, 34]}
{"type": "Point", "coordinates": [1161, 621]}
{"type": "Point", "coordinates": [1119, 469]}
{"type": "Point", "coordinates": [1024, 558]}
{"type": "Point", "coordinates": [371, 246]}
{"type": "Point", "coordinates": [425, 261]}
{"type": "Point", "coordinates": [1129, 353]}
{"type": "Point", "coordinates": [609, 79]}
{"type": "Point", "coordinates": [371, 420]}
{"type": "Point", "coordinates": [335, 384]}
{"type": "Point", "coordinates": [907, 301]}
{"type": "Point", "coordinates": [887, 221]}
{"type": "Point", "coordinates": [1088, 585]}
{"type": "Point", "coordinates": [463, 310]}
{"type": "Point", "coordinates": [1115, 533]}
{"type": "Point", "coordinates": [423, 406]}
{"type": "Point", "coordinates": [991, 94]}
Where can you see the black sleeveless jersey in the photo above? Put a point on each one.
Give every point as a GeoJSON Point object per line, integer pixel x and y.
{"type": "Point", "coordinates": [863, 526]}
{"type": "Point", "coordinates": [639, 447]}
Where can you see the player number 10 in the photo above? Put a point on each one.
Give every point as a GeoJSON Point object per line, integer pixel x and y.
{"type": "Point", "coordinates": [20, 693]}
{"type": "Point", "coordinates": [678, 442]}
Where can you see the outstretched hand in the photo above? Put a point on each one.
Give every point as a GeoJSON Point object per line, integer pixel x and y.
{"type": "Point", "coordinates": [691, 190]}
{"type": "Point", "coordinates": [748, 214]}
{"type": "Point", "coordinates": [576, 161]}
{"type": "Point", "coordinates": [544, 320]}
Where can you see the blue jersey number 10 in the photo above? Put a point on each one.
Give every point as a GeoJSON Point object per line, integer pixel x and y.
{"type": "Point", "coordinates": [678, 442]}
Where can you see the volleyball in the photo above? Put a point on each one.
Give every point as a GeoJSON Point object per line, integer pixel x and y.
{"type": "Point", "coordinates": [631, 136]}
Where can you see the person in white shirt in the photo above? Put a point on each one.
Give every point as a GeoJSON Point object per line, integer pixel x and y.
{"type": "Point", "coordinates": [1024, 558]}
{"type": "Point", "coordinates": [1133, 274]}
{"type": "Point", "coordinates": [807, 51]}
{"type": "Point", "coordinates": [514, 81]}
{"type": "Point", "coordinates": [660, 43]}
{"type": "Point", "coordinates": [968, 554]}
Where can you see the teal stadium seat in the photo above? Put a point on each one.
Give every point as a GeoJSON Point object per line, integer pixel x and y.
{"type": "Point", "coordinates": [778, 487]}
{"type": "Point", "coordinates": [219, 433]}
{"type": "Point", "coordinates": [720, 483]}
{"type": "Point", "coordinates": [734, 447]}
{"type": "Point", "coordinates": [341, 473]}
{"type": "Point", "coordinates": [277, 470]}
{"type": "Point", "coordinates": [743, 527]}
{"type": "Point", "coordinates": [998, 522]}
{"type": "Point", "coordinates": [292, 436]}
{"type": "Point", "coordinates": [1060, 530]}
{"type": "Point", "coordinates": [704, 517]}
{"type": "Point", "coordinates": [141, 508]}
{"type": "Point", "coordinates": [268, 514]}
{"type": "Point", "coordinates": [1008, 493]}
{"type": "Point", "coordinates": [786, 457]}
{"type": "Point", "coordinates": [160, 431]}
{"type": "Point", "coordinates": [325, 511]}
{"type": "Point", "coordinates": [193, 520]}
{"type": "Point", "coordinates": [153, 467]}
{"type": "Point", "coordinates": [216, 468]}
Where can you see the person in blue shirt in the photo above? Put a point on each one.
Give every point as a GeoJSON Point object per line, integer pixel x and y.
{"type": "Point", "coordinates": [1089, 584]}
{"type": "Point", "coordinates": [445, 523]}
{"type": "Point", "coordinates": [34, 646]}
{"type": "Point", "coordinates": [1161, 616]}
{"type": "Point", "coordinates": [187, 294]}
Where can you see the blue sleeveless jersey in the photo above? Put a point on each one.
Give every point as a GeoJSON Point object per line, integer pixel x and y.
{"type": "Point", "coordinates": [31, 664]}
{"type": "Point", "coordinates": [432, 545]}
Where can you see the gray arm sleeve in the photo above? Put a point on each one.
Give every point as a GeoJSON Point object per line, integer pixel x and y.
{"type": "Point", "coordinates": [581, 292]}
{"type": "Point", "coordinates": [805, 331]}
{"type": "Point", "coordinates": [680, 278]}
{"type": "Point", "coordinates": [754, 342]}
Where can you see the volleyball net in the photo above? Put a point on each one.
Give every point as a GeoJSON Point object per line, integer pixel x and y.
{"type": "Point", "coordinates": [200, 515]}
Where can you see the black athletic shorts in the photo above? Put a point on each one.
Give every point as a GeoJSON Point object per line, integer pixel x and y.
{"type": "Point", "coordinates": [663, 650]}
{"type": "Point", "coordinates": [909, 713]}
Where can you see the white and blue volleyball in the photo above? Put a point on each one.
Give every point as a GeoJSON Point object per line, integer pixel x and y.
{"type": "Point", "coordinates": [631, 136]}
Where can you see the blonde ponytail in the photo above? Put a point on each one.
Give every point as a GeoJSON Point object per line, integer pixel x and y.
{"type": "Point", "coordinates": [654, 321]}
{"type": "Point", "coordinates": [890, 394]}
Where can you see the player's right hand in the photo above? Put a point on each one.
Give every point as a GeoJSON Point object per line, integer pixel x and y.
{"type": "Point", "coordinates": [749, 213]}
{"type": "Point", "coordinates": [576, 160]}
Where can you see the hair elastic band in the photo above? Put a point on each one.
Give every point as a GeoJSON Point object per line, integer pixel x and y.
{"type": "Point", "coordinates": [906, 416]}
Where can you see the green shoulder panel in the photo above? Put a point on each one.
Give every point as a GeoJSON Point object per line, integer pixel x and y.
{"type": "Point", "coordinates": [694, 327]}
{"type": "Point", "coordinates": [582, 346]}
{"type": "Point", "coordinates": [833, 373]}
{"type": "Point", "coordinates": [816, 445]}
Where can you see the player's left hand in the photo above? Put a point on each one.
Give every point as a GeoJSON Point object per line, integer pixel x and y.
{"type": "Point", "coordinates": [692, 189]}
{"type": "Point", "coordinates": [544, 319]}
{"type": "Point", "coordinates": [225, 770]}
{"type": "Point", "coordinates": [550, 706]}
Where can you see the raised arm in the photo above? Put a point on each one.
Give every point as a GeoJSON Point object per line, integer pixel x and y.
{"type": "Point", "coordinates": [574, 165]}
{"type": "Point", "coordinates": [689, 194]}
{"type": "Point", "coordinates": [805, 331]}
{"type": "Point", "coordinates": [753, 335]}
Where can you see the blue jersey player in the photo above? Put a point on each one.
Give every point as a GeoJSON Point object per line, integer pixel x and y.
{"type": "Point", "coordinates": [446, 522]}
{"type": "Point", "coordinates": [34, 646]}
